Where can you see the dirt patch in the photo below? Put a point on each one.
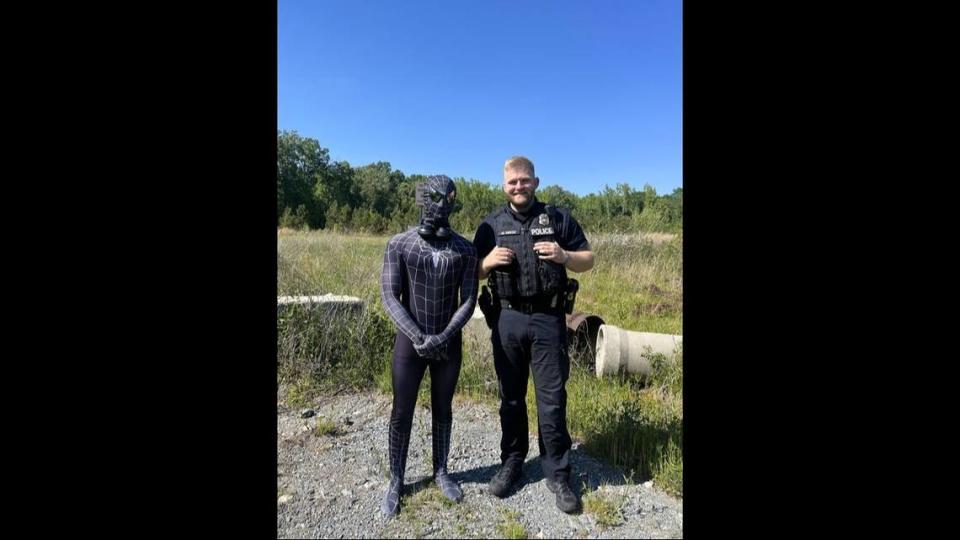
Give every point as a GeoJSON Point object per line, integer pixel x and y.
{"type": "Point", "coordinates": [656, 308]}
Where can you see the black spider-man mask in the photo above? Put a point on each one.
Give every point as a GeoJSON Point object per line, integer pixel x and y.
{"type": "Point", "coordinates": [437, 198]}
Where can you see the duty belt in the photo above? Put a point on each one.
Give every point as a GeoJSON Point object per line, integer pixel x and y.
{"type": "Point", "coordinates": [533, 305]}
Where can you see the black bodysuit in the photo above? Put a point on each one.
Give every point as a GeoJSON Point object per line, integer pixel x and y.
{"type": "Point", "coordinates": [429, 289]}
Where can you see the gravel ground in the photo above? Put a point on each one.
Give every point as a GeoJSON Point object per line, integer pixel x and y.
{"type": "Point", "coordinates": [330, 486]}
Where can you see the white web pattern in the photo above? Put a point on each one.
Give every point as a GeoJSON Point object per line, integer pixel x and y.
{"type": "Point", "coordinates": [441, 450]}
{"type": "Point", "coordinates": [421, 282]}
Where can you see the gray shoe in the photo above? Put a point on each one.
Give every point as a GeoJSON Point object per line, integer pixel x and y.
{"type": "Point", "coordinates": [448, 487]}
{"type": "Point", "coordinates": [390, 506]}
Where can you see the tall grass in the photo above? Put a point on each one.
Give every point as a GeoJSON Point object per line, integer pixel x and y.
{"type": "Point", "coordinates": [319, 350]}
{"type": "Point", "coordinates": [635, 424]}
{"type": "Point", "coordinates": [330, 348]}
{"type": "Point", "coordinates": [636, 284]}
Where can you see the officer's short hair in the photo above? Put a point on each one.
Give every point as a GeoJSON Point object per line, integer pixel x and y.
{"type": "Point", "coordinates": [520, 162]}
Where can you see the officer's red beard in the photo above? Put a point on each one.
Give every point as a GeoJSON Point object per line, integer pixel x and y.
{"type": "Point", "coordinates": [525, 203]}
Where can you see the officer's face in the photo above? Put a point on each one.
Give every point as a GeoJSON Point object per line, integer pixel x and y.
{"type": "Point", "coordinates": [519, 185]}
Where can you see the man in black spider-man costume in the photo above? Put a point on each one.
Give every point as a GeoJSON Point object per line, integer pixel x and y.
{"type": "Point", "coordinates": [425, 270]}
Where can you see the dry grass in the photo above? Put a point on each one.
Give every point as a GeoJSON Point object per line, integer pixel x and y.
{"type": "Point", "coordinates": [658, 238]}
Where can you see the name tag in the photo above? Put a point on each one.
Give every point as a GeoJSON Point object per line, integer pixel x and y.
{"type": "Point", "coordinates": [505, 233]}
{"type": "Point", "coordinates": [540, 231]}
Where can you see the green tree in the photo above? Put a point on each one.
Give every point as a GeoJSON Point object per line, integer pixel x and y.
{"type": "Point", "coordinates": [301, 164]}
{"type": "Point", "coordinates": [558, 196]}
{"type": "Point", "coordinates": [374, 187]}
{"type": "Point", "coordinates": [294, 219]}
{"type": "Point", "coordinates": [475, 200]}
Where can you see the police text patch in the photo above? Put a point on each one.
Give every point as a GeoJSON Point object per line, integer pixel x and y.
{"type": "Point", "coordinates": [540, 231]}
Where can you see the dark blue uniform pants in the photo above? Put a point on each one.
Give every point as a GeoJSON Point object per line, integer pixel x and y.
{"type": "Point", "coordinates": [534, 342]}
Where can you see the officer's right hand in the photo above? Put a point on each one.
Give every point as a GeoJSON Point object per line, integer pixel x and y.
{"type": "Point", "coordinates": [500, 256]}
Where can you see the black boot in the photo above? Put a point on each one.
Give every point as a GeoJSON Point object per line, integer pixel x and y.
{"type": "Point", "coordinates": [567, 500]}
{"type": "Point", "coordinates": [501, 482]}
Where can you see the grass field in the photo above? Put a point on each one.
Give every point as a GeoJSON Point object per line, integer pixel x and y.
{"type": "Point", "coordinates": [636, 284]}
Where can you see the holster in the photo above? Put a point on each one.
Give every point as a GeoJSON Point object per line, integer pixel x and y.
{"type": "Point", "coordinates": [570, 295]}
{"type": "Point", "coordinates": [489, 308]}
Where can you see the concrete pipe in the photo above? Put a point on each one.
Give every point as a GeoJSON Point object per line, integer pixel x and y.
{"type": "Point", "coordinates": [327, 302]}
{"type": "Point", "coordinates": [619, 349]}
{"type": "Point", "coordinates": [582, 331]}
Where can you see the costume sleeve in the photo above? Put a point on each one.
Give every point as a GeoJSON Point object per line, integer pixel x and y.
{"type": "Point", "coordinates": [391, 285]}
{"type": "Point", "coordinates": [468, 293]}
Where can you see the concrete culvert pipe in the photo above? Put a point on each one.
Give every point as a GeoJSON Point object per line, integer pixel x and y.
{"type": "Point", "coordinates": [582, 331]}
{"type": "Point", "coordinates": [323, 303]}
{"type": "Point", "coordinates": [619, 349]}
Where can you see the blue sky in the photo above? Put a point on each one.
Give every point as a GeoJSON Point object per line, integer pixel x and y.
{"type": "Point", "coordinates": [591, 91]}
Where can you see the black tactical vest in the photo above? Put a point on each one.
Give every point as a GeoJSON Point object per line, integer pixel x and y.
{"type": "Point", "coordinates": [526, 275]}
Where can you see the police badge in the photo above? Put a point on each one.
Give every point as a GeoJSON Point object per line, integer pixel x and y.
{"type": "Point", "coordinates": [544, 219]}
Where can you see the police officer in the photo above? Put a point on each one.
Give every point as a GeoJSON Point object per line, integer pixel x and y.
{"type": "Point", "coordinates": [525, 248]}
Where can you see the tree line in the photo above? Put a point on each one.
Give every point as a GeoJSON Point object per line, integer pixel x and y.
{"type": "Point", "coordinates": [316, 193]}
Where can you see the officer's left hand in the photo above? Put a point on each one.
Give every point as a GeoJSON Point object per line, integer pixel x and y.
{"type": "Point", "coordinates": [550, 251]}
